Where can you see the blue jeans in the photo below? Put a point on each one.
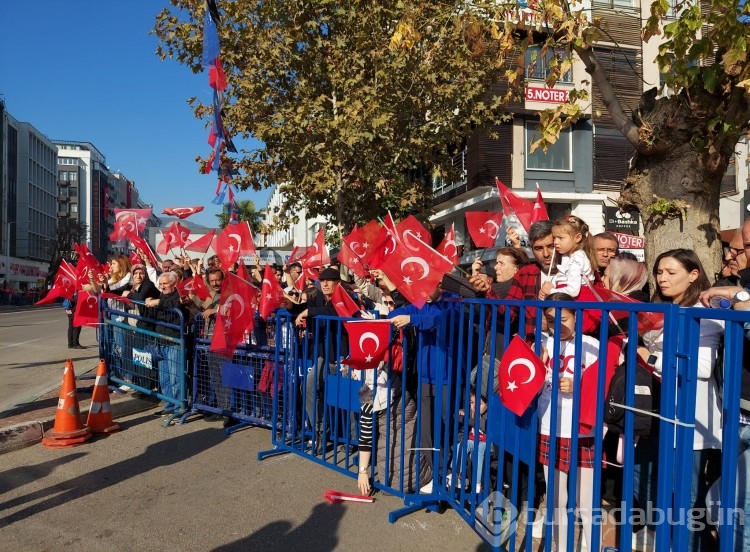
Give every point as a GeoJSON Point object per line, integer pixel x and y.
{"type": "Point", "coordinates": [170, 371]}
{"type": "Point", "coordinates": [481, 448]}
{"type": "Point", "coordinates": [704, 461]}
{"type": "Point", "coordinates": [645, 475]}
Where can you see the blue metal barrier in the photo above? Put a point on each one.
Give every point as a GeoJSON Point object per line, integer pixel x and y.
{"type": "Point", "coordinates": [145, 360]}
{"type": "Point", "coordinates": [242, 387]}
{"type": "Point", "coordinates": [512, 490]}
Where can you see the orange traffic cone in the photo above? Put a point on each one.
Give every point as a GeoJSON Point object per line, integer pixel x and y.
{"type": "Point", "coordinates": [100, 412]}
{"type": "Point", "coordinates": [68, 430]}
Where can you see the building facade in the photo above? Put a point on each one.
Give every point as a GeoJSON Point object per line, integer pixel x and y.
{"type": "Point", "coordinates": [28, 203]}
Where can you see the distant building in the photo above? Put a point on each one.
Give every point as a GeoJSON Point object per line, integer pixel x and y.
{"type": "Point", "coordinates": [300, 234]}
{"type": "Point", "coordinates": [28, 202]}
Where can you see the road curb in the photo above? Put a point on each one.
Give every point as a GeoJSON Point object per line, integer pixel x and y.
{"type": "Point", "coordinates": [26, 434]}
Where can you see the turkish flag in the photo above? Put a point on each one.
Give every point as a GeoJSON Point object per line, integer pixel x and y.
{"type": "Point", "coordinates": [483, 227]}
{"type": "Point", "coordinates": [368, 240]}
{"type": "Point", "coordinates": [317, 255]}
{"type": "Point", "coordinates": [343, 303]}
{"type": "Point", "coordinates": [175, 236]}
{"type": "Point", "coordinates": [410, 229]}
{"type": "Point", "coordinates": [271, 294]}
{"type": "Point", "coordinates": [235, 241]}
{"type": "Point", "coordinates": [125, 225]}
{"type": "Point", "coordinates": [64, 285]}
{"type": "Point", "coordinates": [448, 248]}
{"type": "Point", "coordinates": [182, 212]}
{"type": "Point", "coordinates": [539, 212]}
{"type": "Point", "coordinates": [350, 260]}
{"type": "Point", "coordinates": [142, 245]}
{"type": "Point", "coordinates": [368, 342]}
{"type": "Point", "coordinates": [195, 285]}
{"type": "Point", "coordinates": [521, 376]}
{"type": "Point", "coordinates": [202, 244]}
{"type": "Point", "coordinates": [87, 262]}
{"type": "Point", "coordinates": [412, 275]}
{"type": "Point", "coordinates": [298, 254]}
{"type": "Point", "coordinates": [141, 216]}
{"type": "Point", "coordinates": [515, 205]}
{"type": "Point", "coordinates": [87, 310]}
{"type": "Point", "coordinates": [234, 316]}
{"type": "Point", "coordinates": [299, 283]}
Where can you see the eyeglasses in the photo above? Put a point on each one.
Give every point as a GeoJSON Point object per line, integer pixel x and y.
{"type": "Point", "coordinates": [606, 250]}
{"type": "Point", "coordinates": [734, 251]}
{"type": "Point", "coordinates": [389, 303]}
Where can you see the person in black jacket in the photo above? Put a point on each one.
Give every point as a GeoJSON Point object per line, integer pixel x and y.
{"type": "Point", "coordinates": [142, 288]}
{"type": "Point", "coordinates": [170, 360]}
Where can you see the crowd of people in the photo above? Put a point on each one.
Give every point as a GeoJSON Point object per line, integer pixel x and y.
{"type": "Point", "coordinates": [565, 260]}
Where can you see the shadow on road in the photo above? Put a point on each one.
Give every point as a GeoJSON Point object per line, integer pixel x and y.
{"type": "Point", "coordinates": [319, 533]}
{"type": "Point", "coordinates": [18, 477]}
{"type": "Point", "coordinates": [164, 453]}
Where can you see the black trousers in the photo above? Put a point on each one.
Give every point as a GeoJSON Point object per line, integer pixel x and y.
{"type": "Point", "coordinates": [74, 334]}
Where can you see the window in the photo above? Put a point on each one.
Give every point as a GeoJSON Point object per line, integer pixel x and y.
{"type": "Point", "coordinates": [537, 67]}
{"type": "Point", "coordinates": [73, 192]}
{"type": "Point", "coordinates": [73, 176]}
{"type": "Point", "coordinates": [558, 157]}
{"type": "Point", "coordinates": [73, 208]}
{"type": "Point", "coordinates": [62, 175]}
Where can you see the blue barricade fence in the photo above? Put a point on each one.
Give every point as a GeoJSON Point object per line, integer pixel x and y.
{"type": "Point", "coordinates": [430, 447]}
{"type": "Point", "coordinates": [149, 362]}
{"type": "Point", "coordinates": [242, 386]}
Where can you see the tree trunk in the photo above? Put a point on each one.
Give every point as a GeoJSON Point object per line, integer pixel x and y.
{"type": "Point", "coordinates": [678, 199]}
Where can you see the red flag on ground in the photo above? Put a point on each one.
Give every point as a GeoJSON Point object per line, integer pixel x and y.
{"type": "Point", "coordinates": [519, 386]}
{"type": "Point", "coordinates": [483, 227]}
{"type": "Point", "coordinates": [515, 205]}
{"type": "Point", "coordinates": [343, 303]}
{"type": "Point", "coordinates": [195, 285]}
{"type": "Point", "coordinates": [350, 260]}
{"type": "Point", "coordinates": [202, 244]}
{"type": "Point", "coordinates": [540, 209]}
{"type": "Point", "coordinates": [412, 275]}
{"type": "Point", "coordinates": [317, 255]}
{"type": "Point", "coordinates": [87, 310]}
{"type": "Point", "coordinates": [368, 342]}
{"type": "Point", "coordinates": [234, 316]}
{"type": "Point", "coordinates": [271, 293]}
{"type": "Point", "coordinates": [64, 286]}
{"type": "Point", "coordinates": [141, 215]}
{"type": "Point", "coordinates": [182, 212]}
{"type": "Point", "coordinates": [125, 225]}
{"type": "Point", "coordinates": [448, 248]}
{"type": "Point", "coordinates": [235, 241]}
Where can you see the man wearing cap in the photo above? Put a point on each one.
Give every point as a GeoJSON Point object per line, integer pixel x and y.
{"type": "Point", "coordinates": [321, 305]}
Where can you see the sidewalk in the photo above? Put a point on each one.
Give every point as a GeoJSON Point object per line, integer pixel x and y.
{"type": "Point", "coordinates": [25, 426]}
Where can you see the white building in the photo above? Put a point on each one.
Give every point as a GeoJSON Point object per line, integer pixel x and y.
{"type": "Point", "coordinates": [300, 234]}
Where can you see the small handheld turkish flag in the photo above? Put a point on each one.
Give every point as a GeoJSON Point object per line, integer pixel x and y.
{"type": "Point", "coordinates": [483, 227]}
{"type": "Point", "coordinates": [343, 303]}
{"type": "Point", "coordinates": [271, 294]}
{"type": "Point", "coordinates": [196, 286]}
{"type": "Point", "coordinates": [368, 342]}
{"type": "Point", "coordinates": [87, 310]}
{"type": "Point", "coordinates": [521, 376]}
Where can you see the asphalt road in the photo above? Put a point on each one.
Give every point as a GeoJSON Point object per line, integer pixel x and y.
{"type": "Point", "coordinates": [192, 488]}
{"type": "Point", "coordinates": [33, 351]}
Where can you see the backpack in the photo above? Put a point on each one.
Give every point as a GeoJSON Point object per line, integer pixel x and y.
{"type": "Point", "coordinates": [647, 397]}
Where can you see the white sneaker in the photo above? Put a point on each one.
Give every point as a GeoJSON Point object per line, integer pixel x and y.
{"type": "Point", "coordinates": [124, 388]}
{"type": "Point", "coordinates": [537, 530]}
{"type": "Point", "coordinates": [427, 489]}
{"type": "Point", "coordinates": [644, 541]}
{"type": "Point", "coordinates": [448, 480]}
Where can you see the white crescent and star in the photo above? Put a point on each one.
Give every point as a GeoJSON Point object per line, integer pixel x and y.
{"type": "Point", "coordinates": [492, 223]}
{"type": "Point", "coordinates": [354, 246]}
{"type": "Point", "coordinates": [417, 260]}
{"type": "Point", "coordinates": [227, 306]}
{"type": "Point", "coordinates": [523, 362]}
{"type": "Point", "coordinates": [405, 237]}
{"type": "Point", "coordinates": [235, 237]}
{"type": "Point", "coordinates": [450, 243]}
{"type": "Point", "coordinates": [368, 336]}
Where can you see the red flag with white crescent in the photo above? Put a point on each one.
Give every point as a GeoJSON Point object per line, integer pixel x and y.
{"type": "Point", "coordinates": [194, 285]}
{"type": "Point", "coordinates": [182, 212]}
{"type": "Point", "coordinates": [540, 209]}
{"type": "Point", "coordinates": [414, 276]}
{"type": "Point", "coordinates": [515, 205]}
{"type": "Point", "coordinates": [87, 310]}
{"type": "Point", "coordinates": [271, 293]}
{"type": "Point", "coordinates": [235, 241]}
{"type": "Point", "coordinates": [64, 286]}
{"type": "Point", "coordinates": [125, 226]}
{"type": "Point", "coordinates": [521, 375]}
{"type": "Point", "coordinates": [234, 316]}
{"type": "Point", "coordinates": [350, 260]}
{"type": "Point", "coordinates": [368, 342]}
{"type": "Point", "coordinates": [317, 255]}
{"type": "Point", "coordinates": [141, 215]}
{"type": "Point", "coordinates": [448, 247]}
{"type": "Point", "coordinates": [142, 245]}
{"type": "Point", "coordinates": [483, 227]}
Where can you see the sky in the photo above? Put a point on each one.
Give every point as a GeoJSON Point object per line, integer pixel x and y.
{"type": "Point", "coordinates": [86, 70]}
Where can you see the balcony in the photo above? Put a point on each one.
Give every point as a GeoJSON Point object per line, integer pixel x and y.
{"type": "Point", "coordinates": [63, 198]}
